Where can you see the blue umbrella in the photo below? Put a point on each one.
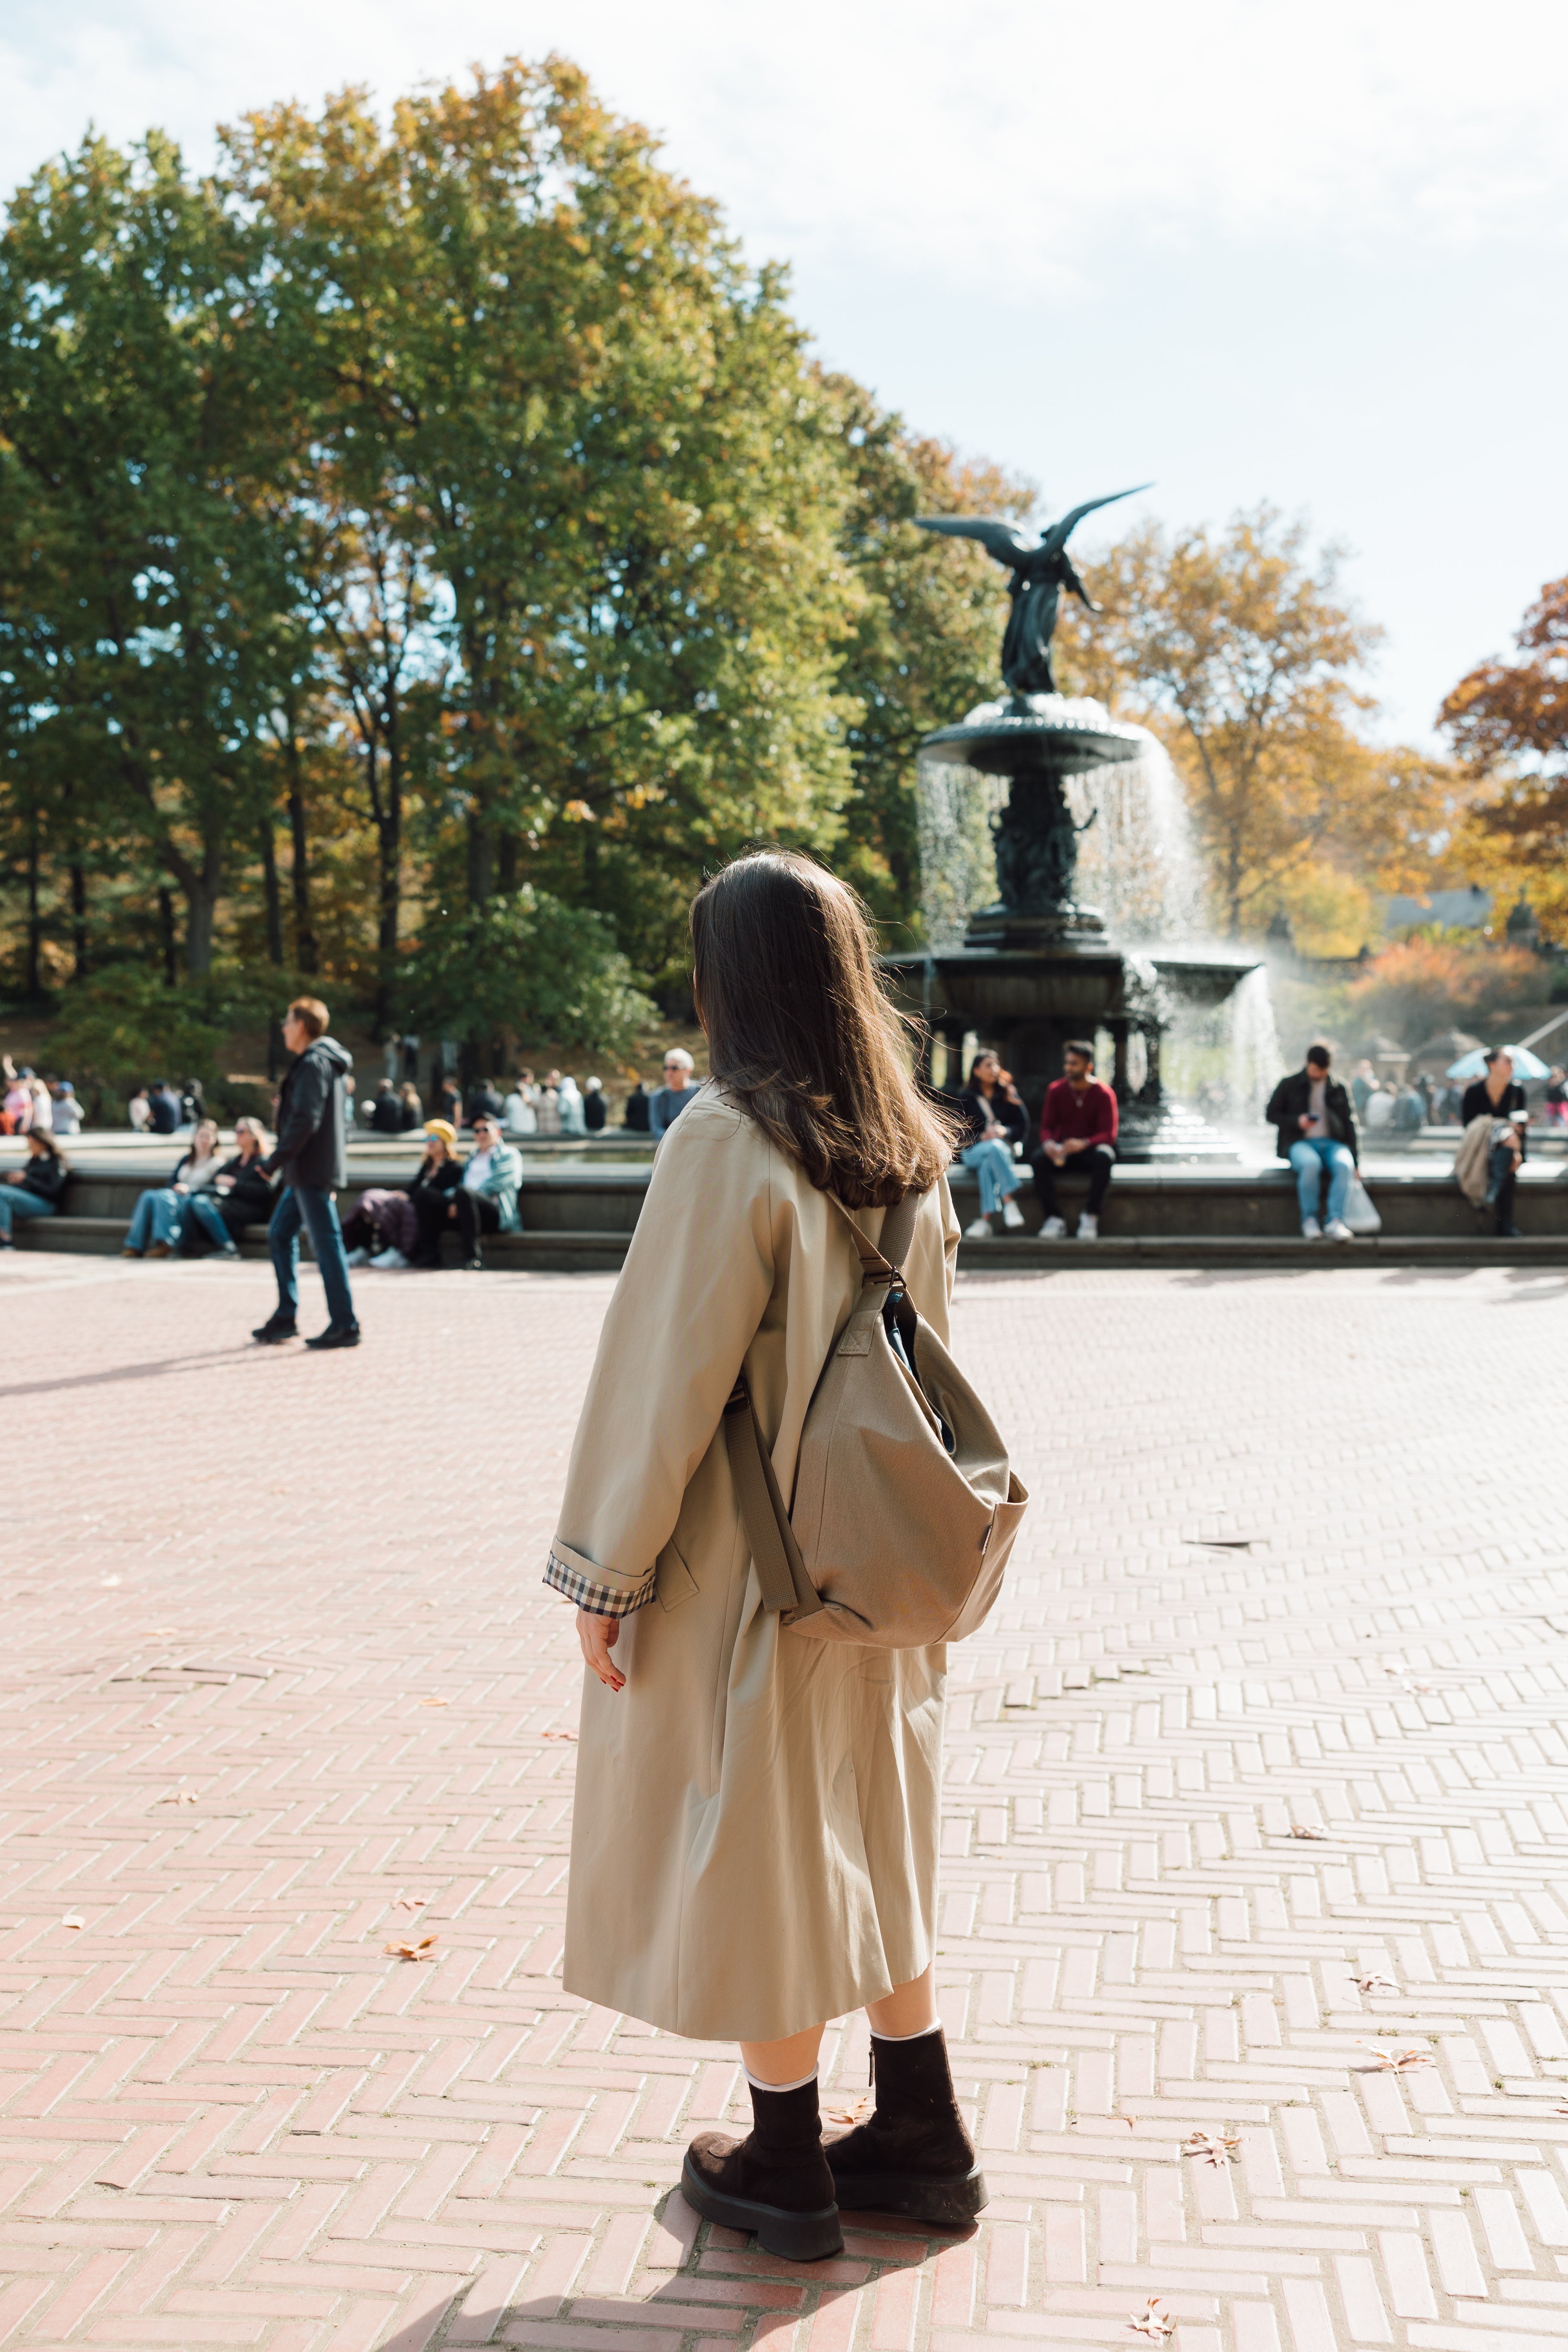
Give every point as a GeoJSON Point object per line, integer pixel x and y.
{"type": "Point", "coordinates": [1526, 1065]}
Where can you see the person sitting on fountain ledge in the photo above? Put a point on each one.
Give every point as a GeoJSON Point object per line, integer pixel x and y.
{"type": "Point", "coordinates": [995, 1119]}
{"type": "Point", "coordinates": [1316, 1129]}
{"type": "Point", "coordinates": [1077, 1123]}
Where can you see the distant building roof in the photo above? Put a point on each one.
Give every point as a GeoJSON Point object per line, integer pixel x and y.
{"type": "Point", "coordinates": [1461, 911]}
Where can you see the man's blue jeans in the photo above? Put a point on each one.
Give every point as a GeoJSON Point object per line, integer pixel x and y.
{"type": "Point", "coordinates": [1309, 1158]}
{"type": "Point", "coordinates": [302, 1204]}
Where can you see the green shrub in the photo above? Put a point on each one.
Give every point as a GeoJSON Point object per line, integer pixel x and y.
{"type": "Point", "coordinates": [525, 966]}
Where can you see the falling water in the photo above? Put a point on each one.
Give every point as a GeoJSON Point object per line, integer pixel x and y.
{"type": "Point", "coordinates": [1253, 1063]}
{"type": "Point", "coordinates": [955, 806]}
{"type": "Point", "coordinates": [1136, 861]}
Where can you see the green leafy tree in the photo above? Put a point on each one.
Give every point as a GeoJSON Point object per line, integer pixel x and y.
{"type": "Point", "coordinates": [142, 390]}
{"type": "Point", "coordinates": [524, 965]}
{"type": "Point", "coordinates": [542, 363]}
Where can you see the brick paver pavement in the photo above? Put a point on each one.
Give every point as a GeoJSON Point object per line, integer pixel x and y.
{"type": "Point", "coordinates": [1254, 1829]}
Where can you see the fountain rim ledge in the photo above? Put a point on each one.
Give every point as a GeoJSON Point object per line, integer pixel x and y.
{"type": "Point", "coordinates": [1075, 723]}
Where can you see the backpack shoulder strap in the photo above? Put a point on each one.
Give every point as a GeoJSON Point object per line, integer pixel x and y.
{"type": "Point", "coordinates": [885, 1256]}
{"type": "Point", "coordinates": [780, 1571]}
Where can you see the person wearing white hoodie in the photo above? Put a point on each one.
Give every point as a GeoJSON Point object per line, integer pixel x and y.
{"type": "Point", "coordinates": [571, 1120]}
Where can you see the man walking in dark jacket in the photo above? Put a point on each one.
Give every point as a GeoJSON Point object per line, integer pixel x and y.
{"type": "Point", "coordinates": [312, 1152]}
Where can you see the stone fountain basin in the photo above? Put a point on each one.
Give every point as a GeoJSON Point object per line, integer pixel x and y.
{"type": "Point", "coordinates": [1201, 976]}
{"type": "Point", "coordinates": [1076, 979]}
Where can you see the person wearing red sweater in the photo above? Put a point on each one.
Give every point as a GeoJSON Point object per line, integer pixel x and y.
{"type": "Point", "coordinates": [1078, 1128]}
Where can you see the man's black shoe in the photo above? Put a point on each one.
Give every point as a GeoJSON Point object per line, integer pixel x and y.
{"type": "Point", "coordinates": [336, 1334]}
{"type": "Point", "coordinates": [277, 1327]}
{"type": "Point", "coordinates": [474, 1265]}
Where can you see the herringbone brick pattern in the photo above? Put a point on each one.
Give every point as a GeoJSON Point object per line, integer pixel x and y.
{"type": "Point", "coordinates": [1254, 1839]}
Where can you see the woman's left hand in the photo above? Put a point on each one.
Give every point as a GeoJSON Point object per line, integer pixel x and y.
{"type": "Point", "coordinates": [597, 1636]}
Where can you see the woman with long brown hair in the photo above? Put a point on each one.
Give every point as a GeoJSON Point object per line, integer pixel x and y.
{"type": "Point", "coordinates": [755, 1838]}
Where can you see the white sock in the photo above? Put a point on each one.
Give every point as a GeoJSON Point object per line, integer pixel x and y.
{"type": "Point", "coordinates": [918, 2036]}
{"type": "Point", "coordinates": [778, 2086]}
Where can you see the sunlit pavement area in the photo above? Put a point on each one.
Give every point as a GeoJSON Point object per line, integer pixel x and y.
{"type": "Point", "coordinates": [1255, 1832]}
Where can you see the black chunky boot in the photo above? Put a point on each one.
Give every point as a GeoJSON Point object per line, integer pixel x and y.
{"type": "Point", "coordinates": [915, 2155]}
{"type": "Point", "coordinates": [776, 2181]}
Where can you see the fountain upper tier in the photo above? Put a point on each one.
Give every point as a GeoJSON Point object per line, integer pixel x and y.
{"type": "Point", "coordinates": [1037, 741]}
{"type": "Point", "coordinates": [1031, 734]}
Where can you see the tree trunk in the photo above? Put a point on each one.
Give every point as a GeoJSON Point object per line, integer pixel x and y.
{"type": "Point", "coordinates": [201, 922]}
{"type": "Point", "coordinates": [307, 955]}
{"type": "Point", "coordinates": [78, 922]}
{"type": "Point", "coordinates": [481, 858]}
{"type": "Point", "coordinates": [35, 918]}
{"type": "Point", "coordinates": [201, 887]}
{"type": "Point", "coordinates": [389, 858]}
{"type": "Point", "coordinates": [274, 895]}
{"type": "Point", "coordinates": [171, 943]}
{"type": "Point", "coordinates": [507, 862]}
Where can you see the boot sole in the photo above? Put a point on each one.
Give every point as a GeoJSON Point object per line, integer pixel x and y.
{"type": "Point", "coordinates": [955, 2200]}
{"type": "Point", "coordinates": [797, 2237]}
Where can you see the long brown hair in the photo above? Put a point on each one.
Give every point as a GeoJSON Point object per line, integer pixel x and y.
{"type": "Point", "coordinates": [801, 1033]}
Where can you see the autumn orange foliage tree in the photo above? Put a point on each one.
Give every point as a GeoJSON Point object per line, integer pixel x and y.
{"type": "Point", "coordinates": [1238, 650]}
{"type": "Point", "coordinates": [1420, 985]}
{"type": "Point", "coordinates": [1507, 721]}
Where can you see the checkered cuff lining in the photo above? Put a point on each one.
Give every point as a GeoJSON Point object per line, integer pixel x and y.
{"type": "Point", "coordinates": [586, 1593]}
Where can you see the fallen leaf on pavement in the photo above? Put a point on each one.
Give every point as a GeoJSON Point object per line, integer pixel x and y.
{"type": "Point", "coordinates": [1216, 2150]}
{"type": "Point", "coordinates": [558, 1734]}
{"type": "Point", "coordinates": [412, 1902]}
{"type": "Point", "coordinates": [178, 1796]}
{"type": "Point", "coordinates": [1375, 1984]}
{"type": "Point", "coordinates": [1396, 2065]}
{"type": "Point", "coordinates": [434, 1702]}
{"type": "Point", "coordinates": [1153, 2320]}
{"type": "Point", "coordinates": [73, 1919]}
{"type": "Point", "coordinates": [1306, 1829]}
{"type": "Point", "coordinates": [401, 1949]}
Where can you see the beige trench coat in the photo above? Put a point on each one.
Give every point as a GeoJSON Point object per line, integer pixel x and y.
{"type": "Point", "coordinates": [755, 1836]}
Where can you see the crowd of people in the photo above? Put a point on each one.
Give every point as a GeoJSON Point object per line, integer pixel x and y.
{"type": "Point", "coordinates": [1392, 1104]}
{"type": "Point", "coordinates": [207, 1199]}
{"type": "Point", "coordinates": [30, 1105]}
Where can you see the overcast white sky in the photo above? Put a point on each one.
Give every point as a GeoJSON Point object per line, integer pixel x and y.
{"type": "Point", "coordinates": [1312, 255]}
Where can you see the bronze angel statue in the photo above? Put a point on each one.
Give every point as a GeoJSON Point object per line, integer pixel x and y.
{"type": "Point", "coordinates": [1039, 576]}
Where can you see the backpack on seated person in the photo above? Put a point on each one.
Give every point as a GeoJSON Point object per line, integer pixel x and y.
{"type": "Point", "coordinates": [905, 1506]}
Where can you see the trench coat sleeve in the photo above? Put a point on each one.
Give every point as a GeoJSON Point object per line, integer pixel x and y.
{"type": "Point", "coordinates": [696, 1283]}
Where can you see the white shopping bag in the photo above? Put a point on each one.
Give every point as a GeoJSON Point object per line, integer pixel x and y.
{"type": "Point", "coordinates": [1360, 1214]}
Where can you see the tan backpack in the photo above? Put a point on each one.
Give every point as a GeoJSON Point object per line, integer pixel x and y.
{"type": "Point", "coordinates": [905, 1509]}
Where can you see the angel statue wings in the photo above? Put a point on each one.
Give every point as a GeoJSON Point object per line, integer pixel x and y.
{"type": "Point", "coordinates": [1039, 576]}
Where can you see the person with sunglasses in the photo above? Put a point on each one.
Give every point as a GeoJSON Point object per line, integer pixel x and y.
{"type": "Point", "coordinates": [677, 1092]}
